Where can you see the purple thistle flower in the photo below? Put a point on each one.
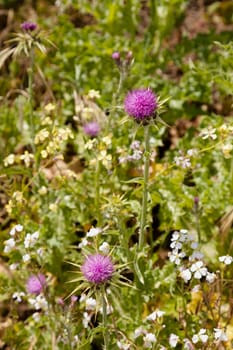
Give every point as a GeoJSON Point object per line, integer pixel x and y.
{"type": "Point", "coordinates": [29, 26]}
{"type": "Point", "coordinates": [97, 268]}
{"type": "Point", "coordinates": [116, 56]}
{"type": "Point", "coordinates": [73, 300]}
{"type": "Point", "coordinates": [141, 104]}
{"type": "Point", "coordinates": [36, 283]}
{"type": "Point", "coordinates": [91, 129]}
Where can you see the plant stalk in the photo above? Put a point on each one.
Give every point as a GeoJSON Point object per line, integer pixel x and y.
{"type": "Point", "coordinates": [30, 91]}
{"type": "Point", "coordinates": [105, 329]}
{"type": "Point", "coordinates": [145, 186]}
{"type": "Point", "coordinates": [97, 191]}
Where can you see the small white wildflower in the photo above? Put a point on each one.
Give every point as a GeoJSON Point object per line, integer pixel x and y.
{"type": "Point", "coordinates": [40, 251]}
{"type": "Point", "coordinates": [107, 140]}
{"type": "Point", "coordinates": [90, 304]}
{"type": "Point", "coordinates": [154, 315]}
{"type": "Point", "coordinates": [43, 190]}
{"type": "Point", "coordinates": [194, 245]}
{"type": "Point", "coordinates": [149, 339]}
{"type": "Point", "coordinates": [9, 160]}
{"type": "Point", "coordinates": [93, 94]}
{"type": "Point", "coordinates": [200, 337]}
{"type": "Point", "coordinates": [36, 316]}
{"type": "Point", "coordinates": [104, 248]}
{"type": "Point", "coordinates": [173, 340]}
{"type": "Point", "coordinates": [226, 259]}
{"type": "Point", "coordinates": [188, 345]}
{"type": "Point", "coordinates": [17, 296]}
{"type": "Point", "coordinates": [182, 161]}
{"type": "Point", "coordinates": [16, 228]}
{"type": "Point", "coordinates": [86, 319]}
{"type": "Point", "coordinates": [226, 150]}
{"type": "Point", "coordinates": [83, 243]}
{"type": "Point", "coordinates": [196, 255]}
{"type": "Point", "coordinates": [93, 232]}
{"type": "Point", "coordinates": [192, 152]}
{"type": "Point", "coordinates": [49, 107]}
{"type": "Point", "coordinates": [176, 256]}
{"type": "Point", "coordinates": [210, 277]}
{"type": "Point", "coordinates": [14, 266]}
{"type": "Point", "coordinates": [75, 339]}
{"type": "Point", "coordinates": [198, 270]}
{"type": "Point", "coordinates": [39, 302]}
{"type": "Point", "coordinates": [137, 155]}
{"type": "Point", "coordinates": [82, 298]}
{"type": "Point", "coordinates": [220, 335]}
{"type": "Point", "coordinates": [135, 145]}
{"type": "Point", "coordinates": [90, 144]}
{"type": "Point", "coordinates": [122, 160]}
{"type": "Point", "coordinates": [186, 275]}
{"type": "Point", "coordinates": [53, 207]}
{"type": "Point", "coordinates": [138, 332]}
{"type": "Point", "coordinates": [27, 157]}
{"type": "Point", "coordinates": [26, 258]}
{"type": "Point", "coordinates": [9, 245]}
{"type": "Point", "coordinates": [176, 245]}
{"type": "Point", "coordinates": [122, 346]}
{"type": "Point", "coordinates": [31, 239]}
{"type": "Point", "coordinates": [208, 133]}
{"type": "Point", "coordinates": [18, 196]}
{"type": "Point", "coordinates": [196, 288]}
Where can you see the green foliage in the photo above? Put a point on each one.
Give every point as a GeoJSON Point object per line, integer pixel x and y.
{"type": "Point", "coordinates": [83, 194]}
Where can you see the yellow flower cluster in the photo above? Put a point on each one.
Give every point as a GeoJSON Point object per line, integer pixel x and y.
{"type": "Point", "coordinates": [55, 139]}
{"type": "Point", "coordinates": [26, 157]}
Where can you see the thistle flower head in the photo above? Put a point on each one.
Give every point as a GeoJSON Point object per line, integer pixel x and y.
{"type": "Point", "coordinates": [91, 129]}
{"type": "Point", "coordinates": [141, 104]}
{"type": "Point", "coordinates": [29, 26]}
{"type": "Point", "coordinates": [36, 283]}
{"type": "Point", "coordinates": [97, 268]}
{"type": "Point", "coordinates": [116, 56]}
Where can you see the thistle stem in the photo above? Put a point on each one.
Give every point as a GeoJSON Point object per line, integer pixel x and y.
{"type": "Point", "coordinates": [145, 186]}
{"type": "Point", "coordinates": [97, 191]}
{"type": "Point", "coordinates": [30, 91]}
{"type": "Point", "coordinates": [105, 329]}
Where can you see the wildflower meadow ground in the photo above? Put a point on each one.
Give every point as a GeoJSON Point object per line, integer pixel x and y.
{"type": "Point", "coordinates": [116, 175]}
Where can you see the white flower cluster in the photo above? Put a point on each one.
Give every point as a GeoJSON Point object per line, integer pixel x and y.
{"type": "Point", "coordinates": [10, 243]}
{"type": "Point", "coordinates": [54, 139]}
{"type": "Point", "coordinates": [220, 335]}
{"type": "Point", "coordinates": [201, 336]}
{"type": "Point", "coordinates": [122, 345]}
{"type": "Point", "coordinates": [181, 243]}
{"type": "Point", "coordinates": [136, 154]}
{"type": "Point", "coordinates": [26, 157]}
{"type": "Point", "coordinates": [208, 133]}
{"type": "Point", "coordinates": [226, 259]}
{"type": "Point", "coordinates": [173, 340]}
{"type": "Point", "coordinates": [184, 161]}
{"type": "Point", "coordinates": [91, 307]}
{"type": "Point", "coordinates": [18, 296]}
{"type": "Point", "coordinates": [39, 302]}
{"type": "Point", "coordinates": [30, 241]}
{"type": "Point", "coordinates": [149, 338]}
{"type": "Point", "coordinates": [94, 232]}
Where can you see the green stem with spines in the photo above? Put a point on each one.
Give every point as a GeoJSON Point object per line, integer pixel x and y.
{"type": "Point", "coordinates": [105, 329]}
{"type": "Point", "coordinates": [30, 92]}
{"type": "Point", "coordinates": [97, 191]}
{"type": "Point", "coordinates": [145, 186]}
